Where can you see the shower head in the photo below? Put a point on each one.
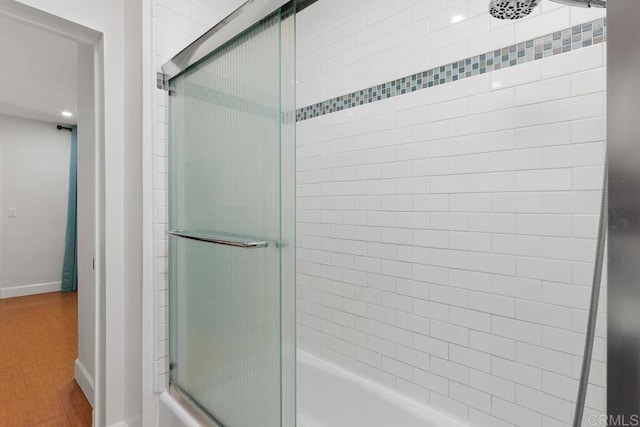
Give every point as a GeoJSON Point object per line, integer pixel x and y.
{"type": "Point", "coordinates": [516, 9]}
{"type": "Point", "coordinates": [512, 9]}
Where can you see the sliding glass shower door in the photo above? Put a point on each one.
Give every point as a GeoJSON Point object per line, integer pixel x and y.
{"type": "Point", "coordinates": [231, 198]}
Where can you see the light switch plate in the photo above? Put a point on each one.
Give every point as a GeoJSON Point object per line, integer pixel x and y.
{"type": "Point", "coordinates": [12, 213]}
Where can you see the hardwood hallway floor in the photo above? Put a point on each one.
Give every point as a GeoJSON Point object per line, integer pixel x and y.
{"type": "Point", "coordinates": [38, 348]}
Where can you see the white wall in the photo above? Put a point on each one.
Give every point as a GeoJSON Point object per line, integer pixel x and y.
{"type": "Point", "coordinates": [446, 237]}
{"type": "Point", "coordinates": [133, 209]}
{"type": "Point", "coordinates": [35, 182]}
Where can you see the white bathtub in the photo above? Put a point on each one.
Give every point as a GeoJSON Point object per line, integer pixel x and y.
{"type": "Point", "coordinates": [329, 396]}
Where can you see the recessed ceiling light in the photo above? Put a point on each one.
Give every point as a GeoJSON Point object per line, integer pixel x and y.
{"type": "Point", "coordinates": [457, 18]}
{"type": "Point", "coordinates": [67, 113]}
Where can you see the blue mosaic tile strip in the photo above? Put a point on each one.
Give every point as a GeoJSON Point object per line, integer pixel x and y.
{"type": "Point", "coordinates": [560, 42]}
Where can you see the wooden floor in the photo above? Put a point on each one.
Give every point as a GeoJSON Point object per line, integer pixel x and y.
{"type": "Point", "coordinates": [38, 348]}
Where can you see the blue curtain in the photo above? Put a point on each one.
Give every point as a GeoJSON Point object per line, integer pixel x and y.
{"type": "Point", "coordinates": [70, 267]}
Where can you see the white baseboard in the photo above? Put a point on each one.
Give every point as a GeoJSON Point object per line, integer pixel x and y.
{"type": "Point", "coordinates": [24, 290]}
{"type": "Point", "coordinates": [120, 424]}
{"type": "Point", "coordinates": [84, 380]}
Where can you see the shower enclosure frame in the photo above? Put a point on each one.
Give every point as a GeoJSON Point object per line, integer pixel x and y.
{"type": "Point", "coordinates": [249, 13]}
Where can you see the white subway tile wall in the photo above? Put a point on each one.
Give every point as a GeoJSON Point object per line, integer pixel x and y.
{"type": "Point", "coordinates": [446, 237]}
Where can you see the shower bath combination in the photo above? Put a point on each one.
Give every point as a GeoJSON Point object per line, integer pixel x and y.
{"type": "Point", "coordinates": [231, 277]}
{"type": "Point", "coordinates": [516, 9]}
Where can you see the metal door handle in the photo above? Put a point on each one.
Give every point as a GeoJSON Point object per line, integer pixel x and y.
{"type": "Point", "coordinates": [218, 241]}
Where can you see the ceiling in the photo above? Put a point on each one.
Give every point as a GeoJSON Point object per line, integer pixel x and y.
{"type": "Point", "coordinates": [39, 73]}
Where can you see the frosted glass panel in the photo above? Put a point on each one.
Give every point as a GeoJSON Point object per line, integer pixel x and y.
{"type": "Point", "coordinates": [226, 334]}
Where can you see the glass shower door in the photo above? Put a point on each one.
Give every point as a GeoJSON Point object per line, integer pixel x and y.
{"type": "Point", "coordinates": [232, 350]}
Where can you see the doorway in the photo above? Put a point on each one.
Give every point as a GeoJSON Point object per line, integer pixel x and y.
{"type": "Point", "coordinates": [49, 335]}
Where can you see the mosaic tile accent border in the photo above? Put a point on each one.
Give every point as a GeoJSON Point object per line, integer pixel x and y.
{"type": "Point", "coordinates": [161, 81]}
{"type": "Point", "coordinates": [557, 43]}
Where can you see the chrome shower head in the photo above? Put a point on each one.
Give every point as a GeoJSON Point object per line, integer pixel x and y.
{"type": "Point", "coordinates": [512, 9]}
